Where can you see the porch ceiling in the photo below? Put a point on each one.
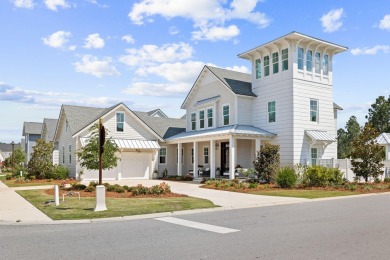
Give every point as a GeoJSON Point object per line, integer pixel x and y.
{"type": "Point", "coordinates": [238, 130]}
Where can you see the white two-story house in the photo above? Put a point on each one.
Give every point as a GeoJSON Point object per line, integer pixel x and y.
{"type": "Point", "coordinates": [287, 100]}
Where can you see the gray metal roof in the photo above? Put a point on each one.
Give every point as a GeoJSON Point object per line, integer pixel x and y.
{"type": "Point", "coordinates": [383, 139]}
{"type": "Point", "coordinates": [129, 143]}
{"type": "Point", "coordinates": [164, 127]}
{"type": "Point", "coordinates": [231, 129]}
{"type": "Point", "coordinates": [240, 83]}
{"type": "Point", "coordinates": [50, 125]}
{"type": "Point", "coordinates": [321, 136]}
{"type": "Point", "coordinates": [32, 128]}
{"type": "Point", "coordinates": [335, 106]}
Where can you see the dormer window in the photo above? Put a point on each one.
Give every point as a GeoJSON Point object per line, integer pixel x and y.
{"type": "Point", "coordinates": [209, 117]}
{"type": "Point", "coordinates": [120, 121]}
{"type": "Point", "coordinates": [275, 62]}
{"type": "Point", "coordinates": [309, 60]}
{"type": "Point", "coordinates": [284, 59]}
{"type": "Point", "coordinates": [193, 121]}
{"type": "Point", "coordinates": [258, 69]}
{"type": "Point", "coordinates": [201, 119]}
{"type": "Point", "coordinates": [317, 60]}
{"type": "Point", "coordinates": [266, 65]}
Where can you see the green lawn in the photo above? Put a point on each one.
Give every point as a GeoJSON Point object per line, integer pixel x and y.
{"type": "Point", "coordinates": [2, 177]}
{"type": "Point", "coordinates": [307, 194]}
{"type": "Point", "coordinates": [73, 208]}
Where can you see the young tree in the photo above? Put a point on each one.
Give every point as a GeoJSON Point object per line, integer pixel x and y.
{"type": "Point", "coordinates": [267, 162]}
{"type": "Point", "coordinates": [40, 163]}
{"type": "Point", "coordinates": [345, 138]}
{"type": "Point", "coordinates": [89, 154]}
{"type": "Point", "coordinates": [379, 115]}
{"type": "Point", "coordinates": [18, 156]}
{"type": "Point", "coordinates": [367, 154]}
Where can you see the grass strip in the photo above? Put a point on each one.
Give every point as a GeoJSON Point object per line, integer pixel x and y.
{"type": "Point", "coordinates": [73, 208]}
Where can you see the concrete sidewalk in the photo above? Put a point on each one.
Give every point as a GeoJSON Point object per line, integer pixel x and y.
{"type": "Point", "coordinates": [14, 208]}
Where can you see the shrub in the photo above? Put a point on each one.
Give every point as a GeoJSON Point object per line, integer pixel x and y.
{"type": "Point", "coordinates": [377, 180]}
{"type": "Point", "coordinates": [8, 177]}
{"type": "Point", "coordinates": [90, 189]}
{"type": "Point", "coordinates": [139, 190]}
{"type": "Point", "coordinates": [126, 187]}
{"type": "Point", "coordinates": [119, 189]}
{"type": "Point", "coordinates": [286, 178]}
{"type": "Point", "coordinates": [387, 180]}
{"type": "Point", "coordinates": [93, 184]}
{"type": "Point", "coordinates": [78, 186]}
{"type": "Point", "coordinates": [58, 172]}
{"type": "Point", "coordinates": [253, 185]}
{"type": "Point", "coordinates": [267, 161]}
{"type": "Point", "coordinates": [367, 187]}
{"type": "Point", "coordinates": [320, 176]}
{"type": "Point", "coordinates": [352, 186]}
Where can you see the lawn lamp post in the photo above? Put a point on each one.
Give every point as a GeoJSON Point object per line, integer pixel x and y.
{"type": "Point", "coordinates": [13, 160]}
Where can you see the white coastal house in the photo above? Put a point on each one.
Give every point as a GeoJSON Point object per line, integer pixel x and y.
{"type": "Point", "coordinates": [287, 100]}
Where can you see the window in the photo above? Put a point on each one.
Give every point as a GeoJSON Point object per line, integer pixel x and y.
{"type": "Point", "coordinates": [192, 155]}
{"type": "Point", "coordinates": [120, 121]}
{"type": "Point", "coordinates": [163, 155]}
{"type": "Point", "coordinates": [63, 154]}
{"type": "Point", "coordinates": [300, 58]}
{"type": "Point", "coordinates": [206, 155]}
{"type": "Point", "coordinates": [284, 59]}
{"type": "Point", "coordinates": [271, 112]}
{"type": "Point", "coordinates": [325, 65]}
{"type": "Point", "coordinates": [258, 69]}
{"type": "Point", "coordinates": [209, 117]}
{"type": "Point", "coordinates": [70, 154]}
{"type": "Point", "coordinates": [201, 119]}
{"type": "Point", "coordinates": [226, 115]}
{"type": "Point", "coordinates": [266, 66]}
{"type": "Point", "coordinates": [309, 60]}
{"type": "Point", "coordinates": [275, 62]}
{"type": "Point", "coordinates": [193, 121]}
{"type": "Point", "coordinates": [317, 60]}
{"type": "Point", "coordinates": [67, 127]}
{"type": "Point", "coordinates": [314, 110]}
{"type": "Point", "coordinates": [313, 156]}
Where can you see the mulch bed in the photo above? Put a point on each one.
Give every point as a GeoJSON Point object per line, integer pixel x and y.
{"type": "Point", "coordinates": [43, 181]}
{"type": "Point", "coordinates": [115, 194]}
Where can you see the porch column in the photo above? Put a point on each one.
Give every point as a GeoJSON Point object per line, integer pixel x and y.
{"type": "Point", "coordinates": [195, 159]}
{"type": "Point", "coordinates": [179, 165]}
{"type": "Point", "coordinates": [233, 156]}
{"type": "Point", "coordinates": [212, 158]}
{"type": "Point", "coordinates": [387, 158]}
{"type": "Point", "coordinates": [257, 146]}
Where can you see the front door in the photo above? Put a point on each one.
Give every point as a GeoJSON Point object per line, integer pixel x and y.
{"type": "Point", "coordinates": [224, 157]}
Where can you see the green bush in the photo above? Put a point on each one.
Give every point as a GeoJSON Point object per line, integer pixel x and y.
{"type": "Point", "coordinates": [253, 185]}
{"type": "Point", "coordinates": [139, 190]}
{"type": "Point", "coordinates": [8, 177]}
{"type": "Point", "coordinates": [58, 172]}
{"type": "Point", "coordinates": [351, 186]}
{"type": "Point", "coordinates": [320, 176]}
{"type": "Point", "coordinates": [387, 180]}
{"type": "Point", "coordinates": [93, 184]}
{"type": "Point", "coordinates": [78, 186]}
{"type": "Point", "coordinates": [119, 189]}
{"type": "Point", "coordinates": [377, 180]}
{"type": "Point", "coordinates": [286, 178]}
{"type": "Point", "coordinates": [126, 187]}
{"type": "Point", "coordinates": [90, 189]}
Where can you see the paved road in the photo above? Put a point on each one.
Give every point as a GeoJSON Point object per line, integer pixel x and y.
{"type": "Point", "coordinates": [348, 228]}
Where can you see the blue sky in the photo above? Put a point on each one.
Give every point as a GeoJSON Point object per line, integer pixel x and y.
{"type": "Point", "coordinates": [148, 53]}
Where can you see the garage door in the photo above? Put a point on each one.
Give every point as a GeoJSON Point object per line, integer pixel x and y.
{"type": "Point", "coordinates": [136, 165]}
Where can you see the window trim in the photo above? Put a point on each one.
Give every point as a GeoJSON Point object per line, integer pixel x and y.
{"type": "Point", "coordinates": [309, 61]}
{"type": "Point", "coordinates": [223, 115]}
{"type": "Point", "coordinates": [116, 121]}
{"type": "Point", "coordinates": [200, 120]}
{"type": "Point", "coordinates": [70, 154]}
{"type": "Point", "coordinates": [285, 60]}
{"type": "Point", "coordinates": [193, 123]}
{"type": "Point", "coordinates": [301, 59]}
{"type": "Point", "coordinates": [266, 66]}
{"type": "Point", "coordinates": [258, 68]}
{"type": "Point", "coordinates": [204, 155]}
{"type": "Point", "coordinates": [317, 110]}
{"type": "Point", "coordinates": [317, 61]}
{"type": "Point", "coordinates": [275, 64]}
{"type": "Point", "coordinates": [212, 117]}
{"type": "Point", "coordinates": [165, 156]}
{"type": "Point", "coordinates": [269, 112]}
{"type": "Point", "coordinates": [311, 155]}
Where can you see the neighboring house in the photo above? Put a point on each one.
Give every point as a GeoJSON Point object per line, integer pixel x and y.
{"type": "Point", "coordinates": [157, 113]}
{"type": "Point", "coordinates": [6, 150]}
{"type": "Point", "coordinates": [31, 133]}
{"type": "Point", "coordinates": [384, 140]}
{"type": "Point", "coordinates": [287, 100]}
{"type": "Point", "coordinates": [48, 129]}
{"type": "Point", "coordinates": [137, 135]}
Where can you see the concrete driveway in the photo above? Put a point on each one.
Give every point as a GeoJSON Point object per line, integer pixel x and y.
{"type": "Point", "coordinates": [225, 199]}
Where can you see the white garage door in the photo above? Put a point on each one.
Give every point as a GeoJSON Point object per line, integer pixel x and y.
{"type": "Point", "coordinates": [136, 165]}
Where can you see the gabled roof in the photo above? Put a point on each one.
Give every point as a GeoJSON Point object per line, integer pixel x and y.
{"type": "Point", "coordinates": [383, 139]}
{"type": "Point", "coordinates": [237, 82]}
{"type": "Point", "coordinates": [337, 107]}
{"type": "Point", "coordinates": [157, 111]}
{"type": "Point", "coordinates": [164, 127]}
{"type": "Point", "coordinates": [51, 125]}
{"type": "Point", "coordinates": [34, 128]}
{"type": "Point", "coordinates": [8, 147]}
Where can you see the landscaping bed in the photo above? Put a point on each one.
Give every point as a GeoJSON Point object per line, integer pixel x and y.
{"type": "Point", "coordinates": [21, 182]}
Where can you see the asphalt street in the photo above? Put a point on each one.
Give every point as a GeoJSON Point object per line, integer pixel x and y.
{"type": "Point", "coordinates": [347, 228]}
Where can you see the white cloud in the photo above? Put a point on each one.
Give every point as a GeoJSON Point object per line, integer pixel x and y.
{"type": "Point", "coordinates": [207, 15]}
{"type": "Point", "coordinates": [96, 3]}
{"type": "Point", "coordinates": [97, 67]}
{"type": "Point", "coordinates": [173, 30]}
{"type": "Point", "coordinates": [157, 89]}
{"type": "Point", "coordinates": [57, 39]}
{"type": "Point", "coordinates": [385, 22]}
{"type": "Point", "coordinates": [128, 38]}
{"type": "Point", "coordinates": [23, 4]}
{"type": "Point", "coordinates": [331, 21]}
{"type": "Point", "coordinates": [54, 4]}
{"type": "Point", "coordinates": [93, 41]}
{"type": "Point", "coordinates": [150, 54]}
{"type": "Point", "coordinates": [371, 51]}
{"type": "Point", "coordinates": [216, 33]}
{"type": "Point", "coordinates": [242, 69]}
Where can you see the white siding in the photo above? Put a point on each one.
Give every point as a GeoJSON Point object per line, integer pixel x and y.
{"type": "Point", "coordinates": [244, 110]}
{"type": "Point", "coordinates": [245, 153]}
{"type": "Point", "coordinates": [64, 140]}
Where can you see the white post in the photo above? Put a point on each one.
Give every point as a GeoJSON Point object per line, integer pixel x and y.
{"type": "Point", "coordinates": [195, 159]}
{"type": "Point", "coordinates": [257, 146]}
{"type": "Point", "coordinates": [212, 159]}
{"type": "Point", "coordinates": [100, 198]}
{"type": "Point", "coordinates": [179, 165]}
{"type": "Point", "coordinates": [388, 152]}
{"type": "Point", "coordinates": [56, 195]}
{"type": "Point", "coordinates": [233, 156]}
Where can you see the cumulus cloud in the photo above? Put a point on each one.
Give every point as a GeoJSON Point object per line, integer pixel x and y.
{"type": "Point", "coordinates": [157, 89]}
{"type": "Point", "coordinates": [57, 39]}
{"type": "Point", "coordinates": [242, 69]}
{"type": "Point", "coordinates": [385, 22]}
{"type": "Point", "coordinates": [331, 21]}
{"type": "Point", "coordinates": [216, 33]}
{"type": "Point", "coordinates": [128, 38]}
{"type": "Point", "coordinates": [54, 4]}
{"type": "Point", "coordinates": [371, 51]}
{"type": "Point", "coordinates": [23, 4]}
{"type": "Point", "coordinates": [149, 54]}
{"type": "Point", "coordinates": [207, 15]}
{"type": "Point", "coordinates": [93, 41]}
{"type": "Point", "coordinates": [97, 67]}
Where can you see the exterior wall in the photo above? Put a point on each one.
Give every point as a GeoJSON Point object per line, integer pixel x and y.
{"type": "Point", "coordinates": [30, 143]}
{"type": "Point", "coordinates": [64, 140]}
{"type": "Point", "coordinates": [244, 110]}
{"type": "Point", "coordinates": [171, 164]}
{"type": "Point", "coordinates": [209, 86]}
{"type": "Point", "coordinates": [245, 153]}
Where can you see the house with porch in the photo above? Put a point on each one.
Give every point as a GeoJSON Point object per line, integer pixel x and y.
{"type": "Point", "coordinates": [287, 100]}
